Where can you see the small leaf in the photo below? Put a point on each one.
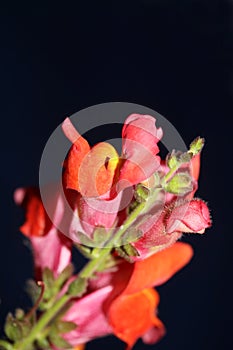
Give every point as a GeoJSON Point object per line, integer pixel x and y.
{"type": "Point", "coordinates": [78, 287]}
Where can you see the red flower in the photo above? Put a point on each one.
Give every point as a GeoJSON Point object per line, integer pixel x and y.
{"type": "Point", "coordinates": [50, 247]}
{"type": "Point", "coordinates": [99, 171]}
{"type": "Point", "coordinates": [123, 302]}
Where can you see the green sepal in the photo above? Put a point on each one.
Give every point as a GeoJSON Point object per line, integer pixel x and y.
{"type": "Point", "coordinates": [141, 193]}
{"type": "Point", "coordinates": [48, 279]}
{"type": "Point", "coordinates": [127, 251]}
{"type": "Point", "coordinates": [131, 235]}
{"type": "Point", "coordinates": [64, 276]}
{"type": "Point", "coordinates": [44, 344]}
{"type": "Point", "coordinates": [78, 287]}
{"type": "Point", "coordinates": [58, 341]}
{"type": "Point", "coordinates": [101, 236]}
{"type": "Point", "coordinates": [65, 326]}
{"type": "Point", "coordinates": [16, 329]}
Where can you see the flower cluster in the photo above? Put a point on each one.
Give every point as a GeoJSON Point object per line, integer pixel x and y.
{"type": "Point", "coordinates": [128, 213]}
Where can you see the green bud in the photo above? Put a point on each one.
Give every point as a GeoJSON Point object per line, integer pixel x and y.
{"type": "Point", "coordinates": [180, 184]}
{"type": "Point", "coordinates": [197, 145]}
{"type": "Point", "coordinates": [172, 159]}
{"type": "Point", "coordinates": [78, 287]}
{"type": "Point", "coordinates": [176, 159]}
{"type": "Point", "coordinates": [12, 328]}
{"type": "Point", "coordinates": [19, 314]}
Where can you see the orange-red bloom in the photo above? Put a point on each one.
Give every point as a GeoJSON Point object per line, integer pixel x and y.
{"type": "Point", "coordinates": [123, 302]}
{"type": "Point", "coordinates": [99, 170]}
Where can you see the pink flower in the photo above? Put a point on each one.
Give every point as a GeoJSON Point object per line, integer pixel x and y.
{"type": "Point", "coordinates": [50, 248]}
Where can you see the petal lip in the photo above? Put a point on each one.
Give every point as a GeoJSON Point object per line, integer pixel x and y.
{"type": "Point", "coordinates": [159, 267]}
{"type": "Point", "coordinates": [131, 316]}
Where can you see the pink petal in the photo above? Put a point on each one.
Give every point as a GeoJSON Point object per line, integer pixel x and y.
{"type": "Point", "coordinates": [89, 316]}
{"type": "Point", "coordinates": [140, 137]}
{"type": "Point", "coordinates": [154, 334]}
{"type": "Point", "coordinates": [101, 213]}
{"type": "Point", "coordinates": [52, 251]}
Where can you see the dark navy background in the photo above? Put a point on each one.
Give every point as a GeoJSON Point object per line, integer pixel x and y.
{"type": "Point", "coordinates": [172, 56]}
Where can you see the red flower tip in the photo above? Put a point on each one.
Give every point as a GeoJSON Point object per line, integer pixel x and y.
{"type": "Point", "coordinates": [37, 222]}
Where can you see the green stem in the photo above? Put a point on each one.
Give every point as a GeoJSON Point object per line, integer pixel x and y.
{"type": "Point", "coordinates": [42, 323]}
{"type": "Point", "coordinates": [87, 272]}
{"type": "Point", "coordinates": [170, 174]}
{"type": "Point", "coordinates": [94, 264]}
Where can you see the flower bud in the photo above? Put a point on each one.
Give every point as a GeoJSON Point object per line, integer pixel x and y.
{"type": "Point", "coordinates": [197, 145]}
{"type": "Point", "coordinates": [180, 184]}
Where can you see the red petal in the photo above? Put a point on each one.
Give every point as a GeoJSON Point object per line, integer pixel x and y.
{"type": "Point", "coordinates": [76, 154]}
{"type": "Point", "coordinates": [97, 170]}
{"type": "Point", "coordinates": [131, 316]}
{"type": "Point", "coordinates": [159, 268]}
{"type": "Point", "coordinates": [37, 222]}
{"type": "Point", "coordinates": [195, 166]}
